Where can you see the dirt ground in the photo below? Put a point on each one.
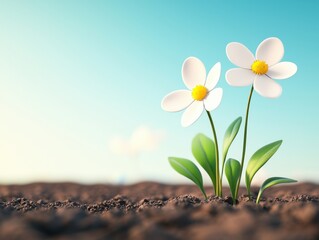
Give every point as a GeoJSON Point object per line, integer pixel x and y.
{"type": "Point", "coordinates": [155, 211]}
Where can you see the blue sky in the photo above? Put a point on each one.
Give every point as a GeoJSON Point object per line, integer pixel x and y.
{"type": "Point", "coordinates": [75, 75]}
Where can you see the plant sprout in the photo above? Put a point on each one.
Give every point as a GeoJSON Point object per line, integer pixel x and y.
{"type": "Point", "coordinates": [203, 149]}
{"type": "Point", "coordinates": [188, 169]}
{"type": "Point", "coordinates": [271, 182]}
{"type": "Point", "coordinates": [229, 137]}
{"type": "Point", "coordinates": [258, 160]}
{"type": "Point", "coordinates": [232, 171]}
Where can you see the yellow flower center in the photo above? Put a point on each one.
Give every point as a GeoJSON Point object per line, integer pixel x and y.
{"type": "Point", "coordinates": [259, 67]}
{"type": "Point", "coordinates": [199, 92]}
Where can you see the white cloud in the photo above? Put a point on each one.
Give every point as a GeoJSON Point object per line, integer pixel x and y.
{"type": "Point", "coordinates": [143, 139]}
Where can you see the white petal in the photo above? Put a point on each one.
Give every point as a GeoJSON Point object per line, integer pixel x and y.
{"type": "Point", "coordinates": [213, 76]}
{"type": "Point", "coordinates": [239, 55]}
{"type": "Point", "coordinates": [177, 100]}
{"type": "Point", "coordinates": [239, 77]}
{"type": "Point", "coordinates": [267, 87]}
{"type": "Point", "coordinates": [193, 72]}
{"type": "Point", "coordinates": [282, 70]}
{"type": "Point", "coordinates": [192, 113]}
{"type": "Point", "coordinates": [271, 50]}
{"type": "Point", "coordinates": [213, 99]}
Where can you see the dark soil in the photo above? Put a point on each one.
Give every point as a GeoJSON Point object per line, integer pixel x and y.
{"type": "Point", "coordinates": [155, 211]}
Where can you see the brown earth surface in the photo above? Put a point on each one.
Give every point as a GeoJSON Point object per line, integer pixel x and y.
{"type": "Point", "coordinates": [154, 211]}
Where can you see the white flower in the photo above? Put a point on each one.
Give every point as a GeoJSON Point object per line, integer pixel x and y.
{"type": "Point", "coordinates": [260, 69]}
{"type": "Point", "coordinates": [200, 94]}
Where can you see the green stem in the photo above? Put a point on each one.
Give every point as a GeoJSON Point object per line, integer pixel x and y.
{"type": "Point", "coordinates": [245, 140]}
{"type": "Point", "coordinates": [258, 197]}
{"type": "Point", "coordinates": [222, 173]}
{"type": "Point", "coordinates": [218, 186]}
{"type": "Point", "coordinates": [204, 193]}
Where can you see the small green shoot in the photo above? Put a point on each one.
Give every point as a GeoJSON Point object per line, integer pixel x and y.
{"type": "Point", "coordinates": [188, 169]}
{"type": "Point", "coordinates": [271, 182]}
{"type": "Point", "coordinates": [203, 149]}
{"type": "Point", "coordinates": [232, 172]}
{"type": "Point", "coordinates": [229, 137]}
{"type": "Point", "coordinates": [259, 158]}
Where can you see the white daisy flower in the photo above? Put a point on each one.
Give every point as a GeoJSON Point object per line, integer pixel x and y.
{"type": "Point", "coordinates": [200, 94]}
{"type": "Point", "coordinates": [261, 69]}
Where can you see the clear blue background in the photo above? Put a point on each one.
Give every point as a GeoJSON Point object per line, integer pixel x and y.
{"type": "Point", "coordinates": [75, 73]}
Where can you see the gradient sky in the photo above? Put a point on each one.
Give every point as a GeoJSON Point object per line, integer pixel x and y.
{"type": "Point", "coordinates": [75, 75]}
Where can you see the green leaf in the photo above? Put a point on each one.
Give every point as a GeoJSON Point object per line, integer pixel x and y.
{"type": "Point", "coordinates": [188, 169]}
{"type": "Point", "coordinates": [232, 172]}
{"type": "Point", "coordinates": [230, 135]}
{"type": "Point", "coordinates": [271, 182]}
{"type": "Point", "coordinates": [203, 149]}
{"type": "Point", "coordinates": [258, 160]}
